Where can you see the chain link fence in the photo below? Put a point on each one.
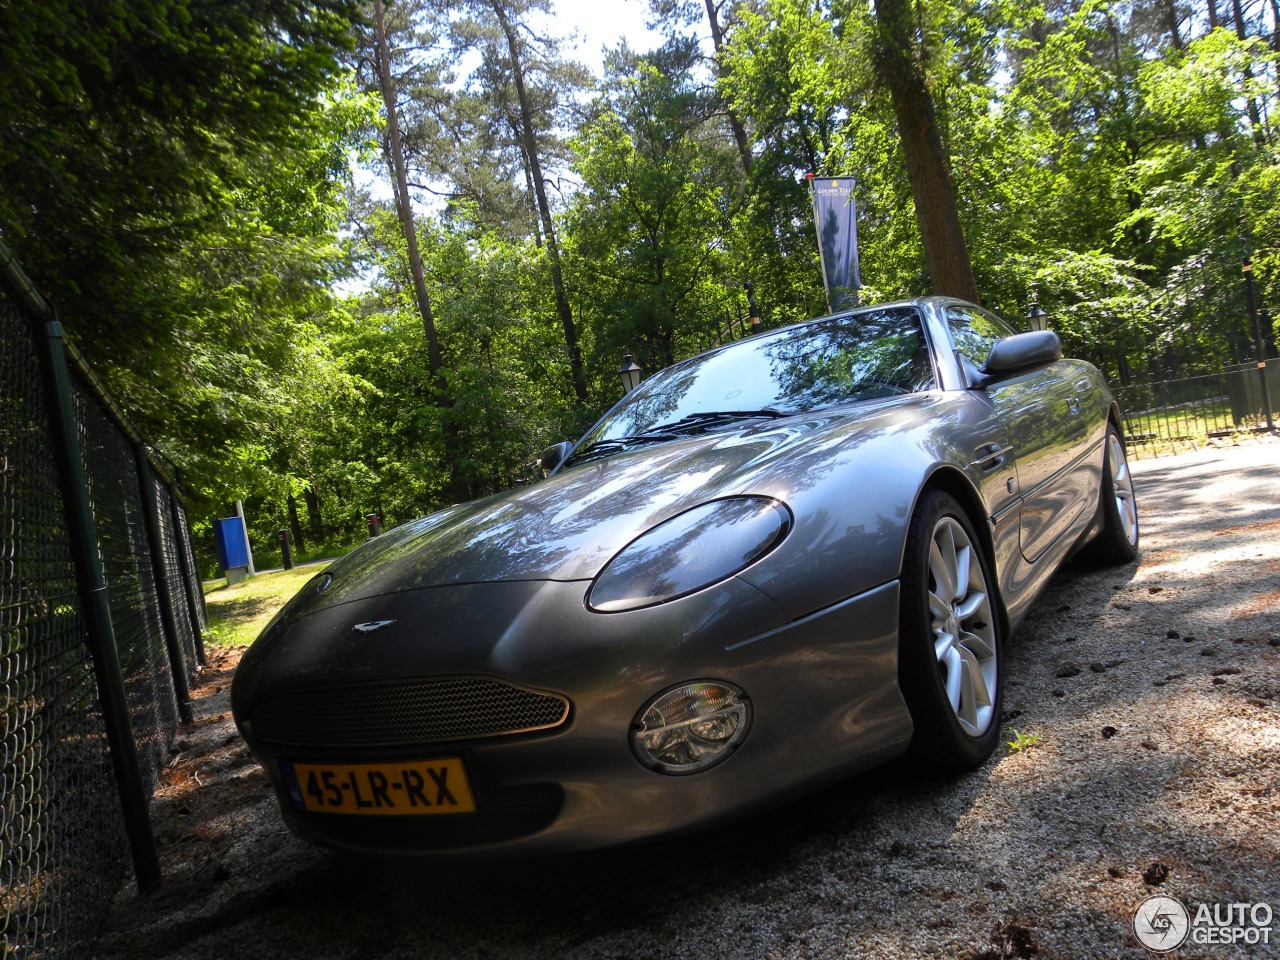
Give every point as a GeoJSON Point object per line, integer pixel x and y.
{"type": "Point", "coordinates": [100, 634]}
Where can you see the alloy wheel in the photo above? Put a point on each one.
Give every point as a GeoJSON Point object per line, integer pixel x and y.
{"type": "Point", "coordinates": [1122, 485]}
{"type": "Point", "coordinates": [964, 635]}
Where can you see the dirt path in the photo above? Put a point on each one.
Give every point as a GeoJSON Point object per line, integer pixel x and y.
{"type": "Point", "coordinates": [1153, 690]}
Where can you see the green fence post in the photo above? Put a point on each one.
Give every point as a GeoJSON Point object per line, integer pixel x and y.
{"type": "Point", "coordinates": [168, 618]}
{"type": "Point", "coordinates": [99, 629]}
{"type": "Point", "coordinates": [189, 579]}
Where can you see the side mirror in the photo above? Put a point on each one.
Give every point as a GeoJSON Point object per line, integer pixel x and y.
{"type": "Point", "coordinates": [553, 456]}
{"type": "Point", "coordinates": [1022, 351]}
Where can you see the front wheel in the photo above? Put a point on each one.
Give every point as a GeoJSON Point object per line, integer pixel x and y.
{"type": "Point", "coordinates": [950, 661]}
{"type": "Point", "coordinates": [1117, 541]}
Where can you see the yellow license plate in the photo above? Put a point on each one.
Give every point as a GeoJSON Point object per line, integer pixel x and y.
{"type": "Point", "coordinates": [410, 788]}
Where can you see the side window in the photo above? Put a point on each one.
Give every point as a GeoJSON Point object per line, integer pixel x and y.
{"type": "Point", "coordinates": [863, 356]}
{"type": "Point", "coordinates": [974, 332]}
{"type": "Point", "coordinates": [893, 354]}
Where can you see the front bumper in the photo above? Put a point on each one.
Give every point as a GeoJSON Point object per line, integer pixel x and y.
{"type": "Point", "coordinates": [823, 689]}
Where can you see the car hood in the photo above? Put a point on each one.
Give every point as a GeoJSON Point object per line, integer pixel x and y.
{"type": "Point", "coordinates": [569, 526]}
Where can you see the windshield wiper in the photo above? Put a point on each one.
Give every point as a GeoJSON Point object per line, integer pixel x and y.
{"type": "Point", "coordinates": [710, 418]}
{"type": "Point", "coordinates": [614, 444]}
{"type": "Point", "coordinates": [666, 431]}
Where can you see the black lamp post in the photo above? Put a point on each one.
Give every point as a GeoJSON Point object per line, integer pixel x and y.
{"type": "Point", "coordinates": [630, 373]}
{"type": "Point", "coordinates": [1037, 318]}
{"type": "Point", "coordinates": [1258, 346]}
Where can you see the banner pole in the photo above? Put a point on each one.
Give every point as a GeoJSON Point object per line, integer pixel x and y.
{"type": "Point", "coordinates": [817, 230]}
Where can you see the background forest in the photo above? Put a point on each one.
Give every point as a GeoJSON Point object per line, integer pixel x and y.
{"type": "Point", "coordinates": [339, 257]}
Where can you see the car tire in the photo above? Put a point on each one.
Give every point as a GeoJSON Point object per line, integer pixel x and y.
{"type": "Point", "coordinates": [1117, 542]}
{"type": "Point", "coordinates": [950, 659]}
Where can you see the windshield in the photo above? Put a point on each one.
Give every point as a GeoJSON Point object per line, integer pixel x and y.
{"type": "Point", "coordinates": [874, 353]}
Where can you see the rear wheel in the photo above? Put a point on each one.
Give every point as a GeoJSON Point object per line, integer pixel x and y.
{"type": "Point", "coordinates": [1117, 541]}
{"type": "Point", "coordinates": [950, 660]}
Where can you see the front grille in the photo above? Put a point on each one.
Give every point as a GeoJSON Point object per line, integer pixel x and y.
{"type": "Point", "coordinates": [404, 712]}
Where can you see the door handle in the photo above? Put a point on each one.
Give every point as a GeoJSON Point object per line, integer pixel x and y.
{"type": "Point", "coordinates": [990, 456]}
{"type": "Point", "coordinates": [1073, 405]}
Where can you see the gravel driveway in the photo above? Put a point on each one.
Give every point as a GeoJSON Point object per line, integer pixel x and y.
{"type": "Point", "coordinates": [1153, 690]}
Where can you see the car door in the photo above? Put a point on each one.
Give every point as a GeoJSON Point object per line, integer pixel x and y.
{"type": "Point", "coordinates": [1047, 426]}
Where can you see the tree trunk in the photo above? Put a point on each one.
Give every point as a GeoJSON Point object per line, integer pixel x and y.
{"type": "Point", "coordinates": [544, 208]}
{"type": "Point", "coordinates": [735, 123]}
{"type": "Point", "coordinates": [295, 525]}
{"type": "Point", "coordinates": [400, 180]}
{"type": "Point", "coordinates": [1214, 20]}
{"type": "Point", "coordinates": [315, 519]}
{"type": "Point", "coordinates": [535, 219]}
{"type": "Point", "coordinates": [945, 251]}
{"type": "Point", "coordinates": [1255, 117]}
{"type": "Point", "coordinates": [1171, 20]}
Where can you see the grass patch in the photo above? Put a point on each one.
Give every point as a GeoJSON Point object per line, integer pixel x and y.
{"type": "Point", "coordinates": [238, 614]}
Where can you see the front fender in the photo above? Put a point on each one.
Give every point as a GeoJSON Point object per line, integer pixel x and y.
{"type": "Point", "coordinates": [853, 493]}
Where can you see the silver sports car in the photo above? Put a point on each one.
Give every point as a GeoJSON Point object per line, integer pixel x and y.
{"type": "Point", "coordinates": [766, 568]}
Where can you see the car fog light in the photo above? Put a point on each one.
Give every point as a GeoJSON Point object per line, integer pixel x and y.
{"type": "Point", "coordinates": [691, 727]}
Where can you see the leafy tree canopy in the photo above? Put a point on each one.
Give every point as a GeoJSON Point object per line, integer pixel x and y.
{"type": "Point", "coordinates": [178, 183]}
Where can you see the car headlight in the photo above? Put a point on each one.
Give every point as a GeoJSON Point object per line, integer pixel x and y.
{"type": "Point", "coordinates": [691, 727]}
{"type": "Point", "coordinates": [690, 552]}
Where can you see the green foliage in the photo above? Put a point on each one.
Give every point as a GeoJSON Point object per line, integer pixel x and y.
{"type": "Point", "coordinates": [173, 181]}
{"type": "Point", "coordinates": [651, 224]}
{"type": "Point", "coordinates": [130, 129]}
{"type": "Point", "coordinates": [775, 79]}
{"type": "Point", "coordinates": [178, 182]}
{"type": "Point", "coordinates": [1022, 741]}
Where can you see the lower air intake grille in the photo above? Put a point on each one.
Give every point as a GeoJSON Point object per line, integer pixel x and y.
{"type": "Point", "coordinates": [405, 712]}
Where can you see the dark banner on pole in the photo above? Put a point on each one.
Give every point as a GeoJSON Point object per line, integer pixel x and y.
{"type": "Point", "coordinates": [836, 217]}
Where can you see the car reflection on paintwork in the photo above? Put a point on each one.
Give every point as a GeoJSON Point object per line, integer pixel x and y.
{"type": "Point", "coordinates": [768, 567]}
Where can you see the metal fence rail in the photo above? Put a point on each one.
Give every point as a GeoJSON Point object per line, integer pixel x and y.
{"type": "Point", "coordinates": [1229, 403]}
{"type": "Point", "coordinates": [100, 626]}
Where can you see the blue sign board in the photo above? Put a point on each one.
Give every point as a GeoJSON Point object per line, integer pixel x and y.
{"type": "Point", "coordinates": [231, 542]}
